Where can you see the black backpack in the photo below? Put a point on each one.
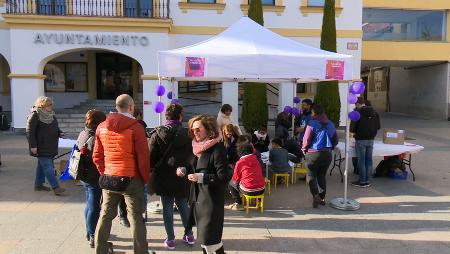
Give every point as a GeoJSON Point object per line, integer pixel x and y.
{"type": "Point", "coordinates": [388, 164]}
{"type": "Point", "coordinates": [368, 125]}
{"type": "Point", "coordinates": [4, 123]}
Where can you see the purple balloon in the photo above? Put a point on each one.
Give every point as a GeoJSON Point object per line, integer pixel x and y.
{"type": "Point", "coordinates": [175, 101]}
{"type": "Point", "coordinates": [287, 109]}
{"type": "Point", "coordinates": [160, 90]}
{"type": "Point", "coordinates": [354, 115]}
{"type": "Point", "coordinates": [295, 111]}
{"type": "Point", "coordinates": [158, 107]}
{"type": "Point", "coordinates": [170, 95]}
{"type": "Point", "coordinates": [357, 88]}
{"type": "Point", "coordinates": [351, 98]}
{"type": "Point", "coordinates": [297, 100]}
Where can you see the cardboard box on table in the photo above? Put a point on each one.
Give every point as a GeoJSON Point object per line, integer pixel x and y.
{"type": "Point", "coordinates": [394, 137]}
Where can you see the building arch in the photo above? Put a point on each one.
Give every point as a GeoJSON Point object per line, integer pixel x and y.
{"type": "Point", "coordinates": [54, 55]}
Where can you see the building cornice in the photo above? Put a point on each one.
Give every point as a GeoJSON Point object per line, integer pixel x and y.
{"type": "Point", "coordinates": [3, 25]}
{"type": "Point", "coordinates": [149, 77]}
{"type": "Point", "coordinates": [26, 76]}
{"type": "Point", "coordinates": [87, 23]}
{"type": "Point", "coordinates": [405, 51]}
{"type": "Point", "coordinates": [408, 4]}
{"type": "Point", "coordinates": [288, 32]}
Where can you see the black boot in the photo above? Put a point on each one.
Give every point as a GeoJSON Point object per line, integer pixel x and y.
{"type": "Point", "coordinates": [220, 251]}
{"type": "Point", "coordinates": [316, 201]}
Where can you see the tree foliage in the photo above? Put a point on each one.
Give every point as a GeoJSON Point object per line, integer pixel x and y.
{"type": "Point", "coordinates": [328, 92]}
{"type": "Point", "coordinates": [254, 108]}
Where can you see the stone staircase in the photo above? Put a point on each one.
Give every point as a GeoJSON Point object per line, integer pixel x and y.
{"type": "Point", "coordinates": [71, 120]}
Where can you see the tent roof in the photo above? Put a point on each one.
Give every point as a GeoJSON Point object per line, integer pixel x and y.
{"type": "Point", "coordinates": [247, 51]}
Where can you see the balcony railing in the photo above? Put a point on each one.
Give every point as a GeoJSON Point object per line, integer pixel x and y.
{"type": "Point", "coordinates": [158, 9]}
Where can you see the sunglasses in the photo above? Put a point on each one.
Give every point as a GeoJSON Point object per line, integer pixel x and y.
{"type": "Point", "coordinates": [195, 130]}
{"type": "Point", "coordinates": [49, 105]}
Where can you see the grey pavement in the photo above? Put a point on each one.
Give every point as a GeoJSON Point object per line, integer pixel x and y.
{"type": "Point", "coordinates": [395, 217]}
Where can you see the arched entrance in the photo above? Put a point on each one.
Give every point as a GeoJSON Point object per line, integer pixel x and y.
{"type": "Point", "coordinates": [5, 87]}
{"type": "Point", "coordinates": [77, 76]}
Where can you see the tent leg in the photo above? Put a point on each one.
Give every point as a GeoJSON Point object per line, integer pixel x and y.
{"type": "Point", "coordinates": [294, 88]}
{"type": "Point", "coordinates": [346, 203]}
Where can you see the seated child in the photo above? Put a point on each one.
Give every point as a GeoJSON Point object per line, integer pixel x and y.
{"type": "Point", "coordinates": [261, 140]}
{"type": "Point", "coordinates": [248, 139]}
{"type": "Point", "coordinates": [247, 177]}
{"type": "Point", "coordinates": [279, 158]}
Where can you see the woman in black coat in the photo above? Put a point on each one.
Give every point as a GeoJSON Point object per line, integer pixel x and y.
{"type": "Point", "coordinates": [171, 159]}
{"type": "Point", "coordinates": [90, 176]}
{"type": "Point", "coordinates": [211, 177]}
{"type": "Point", "coordinates": [43, 133]}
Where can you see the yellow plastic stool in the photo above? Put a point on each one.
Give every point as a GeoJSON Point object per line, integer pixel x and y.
{"type": "Point", "coordinates": [301, 170]}
{"type": "Point", "coordinates": [286, 177]}
{"type": "Point", "coordinates": [259, 200]}
{"type": "Point", "coordinates": [267, 185]}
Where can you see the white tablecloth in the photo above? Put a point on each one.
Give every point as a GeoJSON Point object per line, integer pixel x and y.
{"type": "Point", "coordinates": [66, 143]}
{"type": "Point", "coordinates": [380, 149]}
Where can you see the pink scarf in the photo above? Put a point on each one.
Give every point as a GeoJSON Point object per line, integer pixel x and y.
{"type": "Point", "coordinates": [199, 147]}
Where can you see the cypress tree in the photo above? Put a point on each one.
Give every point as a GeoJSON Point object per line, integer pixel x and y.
{"type": "Point", "coordinates": [328, 92]}
{"type": "Point", "coordinates": [254, 106]}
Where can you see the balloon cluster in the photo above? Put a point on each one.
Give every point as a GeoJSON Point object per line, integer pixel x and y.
{"type": "Point", "coordinates": [293, 110]}
{"type": "Point", "coordinates": [355, 89]}
{"type": "Point", "coordinates": [160, 90]}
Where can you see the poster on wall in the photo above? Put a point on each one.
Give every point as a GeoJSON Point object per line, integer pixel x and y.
{"type": "Point", "coordinates": [55, 77]}
{"type": "Point", "coordinates": [335, 70]}
{"type": "Point", "coordinates": [195, 67]}
{"type": "Point", "coordinates": [76, 77]}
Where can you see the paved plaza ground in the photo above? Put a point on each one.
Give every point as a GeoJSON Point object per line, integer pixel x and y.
{"type": "Point", "coordinates": [395, 216]}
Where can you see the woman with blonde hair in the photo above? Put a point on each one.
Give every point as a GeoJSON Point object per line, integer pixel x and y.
{"type": "Point", "coordinates": [43, 133]}
{"type": "Point", "coordinates": [210, 177]}
{"type": "Point", "coordinates": [230, 137]}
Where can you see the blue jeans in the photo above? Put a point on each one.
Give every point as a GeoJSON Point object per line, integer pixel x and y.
{"type": "Point", "coordinates": [45, 169]}
{"type": "Point", "coordinates": [92, 210]}
{"type": "Point", "coordinates": [167, 203]}
{"type": "Point", "coordinates": [364, 149]}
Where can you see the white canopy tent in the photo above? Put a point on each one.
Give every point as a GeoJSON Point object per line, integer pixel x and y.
{"type": "Point", "coordinates": [248, 52]}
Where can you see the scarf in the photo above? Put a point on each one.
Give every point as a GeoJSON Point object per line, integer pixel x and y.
{"type": "Point", "coordinates": [45, 116]}
{"type": "Point", "coordinates": [173, 122]}
{"type": "Point", "coordinates": [199, 147]}
{"type": "Point", "coordinates": [260, 136]}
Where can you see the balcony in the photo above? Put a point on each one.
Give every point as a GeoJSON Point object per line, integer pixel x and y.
{"type": "Point", "coordinates": [153, 9]}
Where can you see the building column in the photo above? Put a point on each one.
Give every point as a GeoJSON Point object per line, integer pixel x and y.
{"type": "Point", "coordinates": [25, 89]}
{"type": "Point", "coordinates": [92, 75]}
{"type": "Point", "coordinates": [230, 95]}
{"type": "Point", "coordinates": [285, 95]}
{"type": "Point", "coordinates": [135, 78]}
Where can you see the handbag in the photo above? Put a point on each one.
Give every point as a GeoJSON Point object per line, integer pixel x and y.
{"type": "Point", "coordinates": [114, 183]}
{"type": "Point", "coordinates": [76, 167]}
{"type": "Point", "coordinates": [153, 183]}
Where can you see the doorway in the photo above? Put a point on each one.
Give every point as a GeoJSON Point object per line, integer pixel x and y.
{"type": "Point", "coordinates": [114, 75]}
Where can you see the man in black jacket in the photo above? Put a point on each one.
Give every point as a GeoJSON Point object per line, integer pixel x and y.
{"type": "Point", "coordinates": [365, 130]}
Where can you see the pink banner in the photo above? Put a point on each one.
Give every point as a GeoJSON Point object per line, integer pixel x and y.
{"type": "Point", "coordinates": [335, 70]}
{"type": "Point", "coordinates": [195, 67]}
